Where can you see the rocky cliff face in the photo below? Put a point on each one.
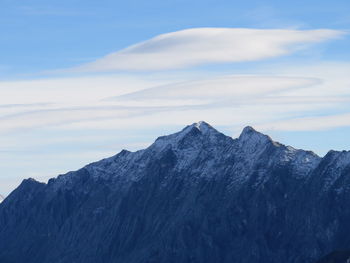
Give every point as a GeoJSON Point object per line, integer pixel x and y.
{"type": "Point", "coordinates": [193, 196]}
{"type": "Point", "coordinates": [336, 257]}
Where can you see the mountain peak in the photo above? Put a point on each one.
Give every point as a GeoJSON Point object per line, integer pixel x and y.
{"type": "Point", "coordinates": [204, 127]}
{"type": "Point", "coordinates": [249, 133]}
{"type": "Point", "coordinates": [198, 128]}
{"type": "Point", "coordinates": [251, 140]}
{"type": "Point", "coordinates": [248, 129]}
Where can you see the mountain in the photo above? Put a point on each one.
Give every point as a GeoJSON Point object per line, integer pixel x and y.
{"type": "Point", "coordinates": [1, 198]}
{"type": "Point", "coordinates": [193, 196]}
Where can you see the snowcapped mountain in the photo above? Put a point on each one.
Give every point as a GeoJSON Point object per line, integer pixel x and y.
{"type": "Point", "coordinates": [193, 196]}
{"type": "Point", "coordinates": [1, 198]}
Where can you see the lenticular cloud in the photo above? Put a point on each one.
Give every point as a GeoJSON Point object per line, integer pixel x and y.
{"type": "Point", "coordinates": [192, 47]}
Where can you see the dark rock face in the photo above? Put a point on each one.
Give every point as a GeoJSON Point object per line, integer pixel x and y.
{"type": "Point", "coordinates": [336, 257]}
{"type": "Point", "coordinates": [193, 196]}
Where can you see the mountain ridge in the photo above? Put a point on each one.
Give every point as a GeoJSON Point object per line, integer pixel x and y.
{"type": "Point", "coordinates": [193, 196]}
{"type": "Point", "coordinates": [248, 139]}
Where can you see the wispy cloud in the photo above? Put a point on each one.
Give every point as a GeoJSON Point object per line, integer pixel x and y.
{"type": "Point", "coordinates": [233, 87]}
{"type": "Point", "coordinates": [199, 46]}
{"type": "Point", "coordinates": [124, 103]}
{"type": "Point", "coordinates": [314, 123]}
{"type": "Point", "coordinates": [84, 90]}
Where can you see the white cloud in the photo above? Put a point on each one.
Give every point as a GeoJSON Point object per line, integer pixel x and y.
{"type": "Point", "coordinates": [228, 87]}
{"type": "Point", "coordinates": [74, 89]}
{"type": "Point", "coordinates": [122, 102]}
{"type": "Point", "coordinates": [199, 46]}
{"type": "Point", "coordinates": [79, 102]}
{"type": "Point", "coordinates": [314, 123]}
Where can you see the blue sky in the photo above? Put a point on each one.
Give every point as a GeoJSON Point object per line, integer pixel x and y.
{"type": "Point", "coordinates": [74, 88]}
{"type": "Point", "coordinates": [39, 35]}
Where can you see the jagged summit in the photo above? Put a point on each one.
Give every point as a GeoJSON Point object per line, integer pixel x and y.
{"type": "Point", "coordinates": [208, 133]}
{"type": "Point", "coordinates": [203, 126]}
{"type": "Point", "coordinates": [248, 129]}
{"type": "Point", "coordinates": [28, 183]}
{"type": "Point", "coordinates": [200, 130]}
{"type": "Point", "coordinates": [249, 134]}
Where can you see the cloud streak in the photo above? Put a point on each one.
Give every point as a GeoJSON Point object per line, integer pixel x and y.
{"type": "Point", "coordinates": [221, 100]}
{"type": "Point", "coordinates": [236, 87]}
{"type": "Point", "coordinates": [200, 46]}
{"type": "Point", "coordinates": [309, 124]}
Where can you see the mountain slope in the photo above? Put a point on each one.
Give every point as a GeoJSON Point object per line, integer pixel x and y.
{"type": "Point", "coordinates": [193, 196]}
